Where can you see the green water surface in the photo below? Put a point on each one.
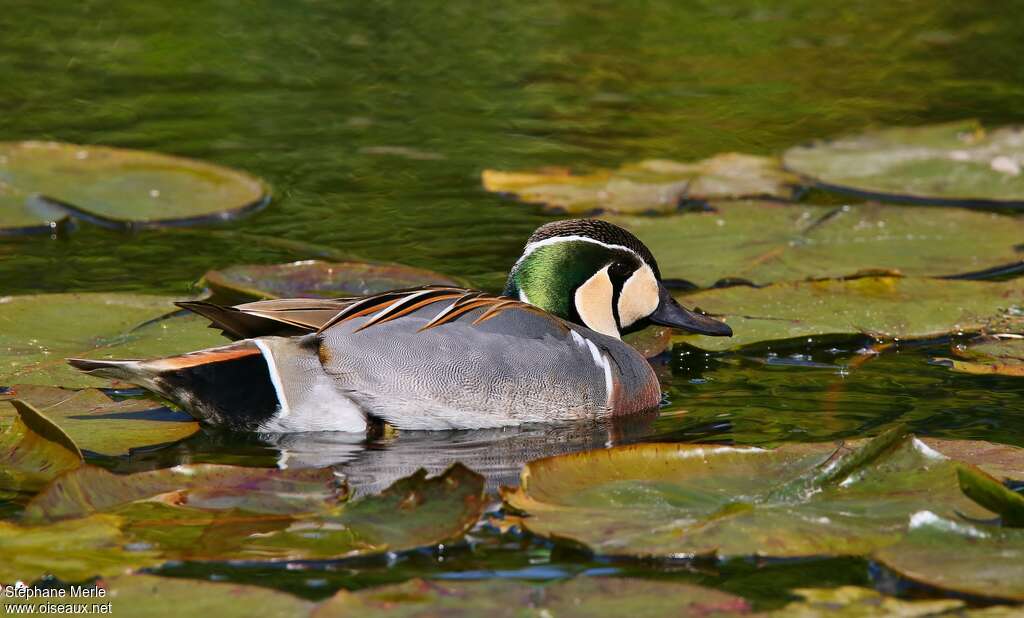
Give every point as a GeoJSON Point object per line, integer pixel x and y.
{"type": "Point", "coordinates": [373, 121]}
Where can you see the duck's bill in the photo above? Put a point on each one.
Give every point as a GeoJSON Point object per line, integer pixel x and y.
{"type": "Point", "coordinates": [670, 313]}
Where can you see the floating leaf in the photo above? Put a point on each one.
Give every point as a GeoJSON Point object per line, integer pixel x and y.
{"type": "Point", "coordinates": [103, 425]}
{"type": "Point", "coordinates": [33, 451]}
{"type": "Point", "coordinates": [90, 489]}
{"type": "Point", "coordinates": [857, 602]}
{"type": "Point", "coordinates": [71, 550]}
{"type": "Point", "coordinates": [165, 597]}
{"type": "Point", "coordinates": [38, 332]}
{"type": "Point", "coordinates": [582, 596]}
{"type": "Point", "coordinates": [668, 500]}
{"type": "Point", "coordinates": [648, 186]}
{"type": "Point", "coordinates": [1002, 355]}
{"type": "Point", "coordinates": [883, 307]}
{"type": "Point", "coordinates": [956, 163]}
{"type": "Point", "coordinates": [993, 495]}
{"type": "Point", "coordinates": [214, 512]}
{"type": "Point", "coordinates": [765, 242]}
{"type": "Point", "coordinates": [316, 279]}
{"type": "Point", "coordinates": [119, 188]}
{"type": "Point", "coordinates": [955, 555]}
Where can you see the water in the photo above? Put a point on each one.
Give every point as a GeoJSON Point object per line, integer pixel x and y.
{"type": "Point", "coordinates": [373, 122]}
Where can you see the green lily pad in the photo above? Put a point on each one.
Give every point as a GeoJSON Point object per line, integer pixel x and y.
{"type": "Point", "coordinates": [119, 188]}
{"type": "Point", "coordinates": [857, 602]}
{"type": "Point", "coordinates": [993, 495]}
{"type": "Point", "coordinates": [33, 451]}
{"type": "Point", "coordinates": [99, 424]}
{"type": "Point", "coordinates": [71, 550]}
{"type": "Point", "coordinates": [316, 279]}
{"type": "Point", "coordinates": [38, 332]}
{"type": "Point", "coordinates": [581, 596]}
{"type": "Point", "coordinates": [165, 597]}
{"type": "Point", "coordinates": [886, 308]}
{"type": "Point", "coordinates": [1002, 355]}
{"type": "Point", "coordinates": [214, 512]}
{"type": "Point", "coordinates": [955, 163]}
{"type": "Point", "coordinates": [672, 500]}
{"type": "Point", "coordinates": [952, 554]}
{"type": "Point", "coordinates": [765, 242]}
{"type": "Point", "coordinates": [648, 186]}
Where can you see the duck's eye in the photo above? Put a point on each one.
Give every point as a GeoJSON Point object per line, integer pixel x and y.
{"type": "Point", "coordinates": [619, 270]}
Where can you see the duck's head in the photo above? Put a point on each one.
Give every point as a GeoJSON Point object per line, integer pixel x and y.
{"type": "Point", "coordinates": [597, 274]}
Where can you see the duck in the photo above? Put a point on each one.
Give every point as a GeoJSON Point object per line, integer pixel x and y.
{"type": "Point", "coordinates": [548, 349]}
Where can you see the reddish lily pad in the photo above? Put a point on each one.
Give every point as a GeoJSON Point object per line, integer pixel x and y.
{"type": "Point", "coordinates": [213, 512]}
{"type": "Point", "coordinates": [119, 188]}
{"type": "Point", "coordinates": [648, 186]}
{"type": "Point", "coordinates": [99, 424]}
{"type": "Point", "coordinates": [590, 597]}
{"type": "Point", "coordinates": [886, 308]}
{"type": "Point", "coordinates": [670, 500]}
{"type": "Point", "coordinates": [957, 163]}
{"type": "Point", "coordinates": [316, 279]}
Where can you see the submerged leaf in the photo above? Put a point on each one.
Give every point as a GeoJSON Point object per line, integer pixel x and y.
{"type": "Point", "coordinates": [766, 242]}
{"type": "Point", "coordinates": [955, 555]}
{"type": "Point", "coordinates": [37, 333]}
{"type": "Point", "coordinates": [648, 186]}
{"type": "Point", "coordinates": [669, 500]}
{"type": "Point", "coordinates": [316, 279]}
{"type": "Point", "coordinates": [71, 550]}
{"type": "Point", "coordinates": [582, 596]}
{"type": "Point", "coordinates": [954, 163]}
{"type": "Point", "coordinates": [119, 188]}
{"type": "Point", "coordinates": [33, 451]}
{"type": "Point", "coordinates": [883, 307]}
{"type": "Point", "coordinates": [103, 425]}
{"type": "Point", "coordinates": [856, 602]}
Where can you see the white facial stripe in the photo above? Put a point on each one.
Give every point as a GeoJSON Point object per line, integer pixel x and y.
{"type": "Point", "coordinates": [639, 296]}
{"type": "Point", "coordinates": [533, 246]}
{"type": "Point", "coordinates": [594, 304]}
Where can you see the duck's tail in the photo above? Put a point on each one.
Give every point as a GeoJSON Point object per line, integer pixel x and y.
{"type": "Point", "coordinates": [229, 386]}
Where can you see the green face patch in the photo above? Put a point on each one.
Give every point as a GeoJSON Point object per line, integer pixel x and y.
{"type": "Point", "coordinates": [550, 274]}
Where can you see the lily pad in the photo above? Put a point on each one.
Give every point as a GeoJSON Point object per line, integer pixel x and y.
{"type": "Point", "coordinates": [993, 495]}
{"type": "Point", "coordinates": [99, 424]}
{"type": "Point", "coordinates": [681, 500]}
{"type": "Point", "coordinates": [958, 163]}
{"type": "Point", "coordinates": [33, 451]}
{"type": "Point", "coordinates": [37, 332]}
{"type": "Point", "coordinates": [657, 185]}
{"type": "Point", "coordinates": [214, 512]}
{"type": "Point", "coordinates": [71, 550]}
{"type": "Point", "coordinates": [857, 602]}
{"type": "Point", "coordinates": [949, 553]}
{"type": "Point", "coordinates": [119, 188]}
{"type": "Point", "coordinates": [886, 308]}
{"type": "Point", "coordinates": [581, 596]}
{"type": "Point", "coordinates": [765, 242]}
{"type": "Point", "coordinates": [316, 279]}
{"type": "Point", "coordinates": [90, 489]}
{"type": "Point", "coordinates": [1002, 355]}
{"type": "Point", "coordinates": [165, 597]}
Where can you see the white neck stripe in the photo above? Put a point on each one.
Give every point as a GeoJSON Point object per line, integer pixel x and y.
{"type": "Point", "coordinates": [533, 246]}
